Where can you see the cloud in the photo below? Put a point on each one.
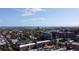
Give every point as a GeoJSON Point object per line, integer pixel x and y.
{"type": "Point", "coordinates": [31, 11]}
{"type": "Point", "coordinates": [37, 9]}
{"type": "Point", "coordinates": [27, 14]}
{"type": "Point", "coordinates": [33, 19]}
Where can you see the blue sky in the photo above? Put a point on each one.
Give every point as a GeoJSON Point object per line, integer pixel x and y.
{"type": "Point", "coordinates": [39, 17]}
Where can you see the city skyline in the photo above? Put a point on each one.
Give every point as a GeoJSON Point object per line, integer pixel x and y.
{"type": "Point", "coordinates": [39, 16]}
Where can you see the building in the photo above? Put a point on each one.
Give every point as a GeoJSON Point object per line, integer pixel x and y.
{"type": "Point", "coordinates": [46, 36]}
{"type": "Point", "coordinates": [77, 38]}
{"type": "Point", "coordinates": [2, 41]}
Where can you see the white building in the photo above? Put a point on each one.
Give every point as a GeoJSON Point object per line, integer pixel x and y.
{"type": "Point", "coordinates": [2, 41]}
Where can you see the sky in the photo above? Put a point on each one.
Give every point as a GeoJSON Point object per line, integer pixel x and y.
{"type": "Point", "coordinates": [39, 17]}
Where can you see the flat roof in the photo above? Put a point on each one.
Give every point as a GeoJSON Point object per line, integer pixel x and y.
{"type": "Point", "coordinates": [75, 43]}
{"type": "Point", "coordinates": [33, 43]}
{"type": "Point", "coordinates": [43, 41]}
{"type": "Point", "coordinates": [27, 45]}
